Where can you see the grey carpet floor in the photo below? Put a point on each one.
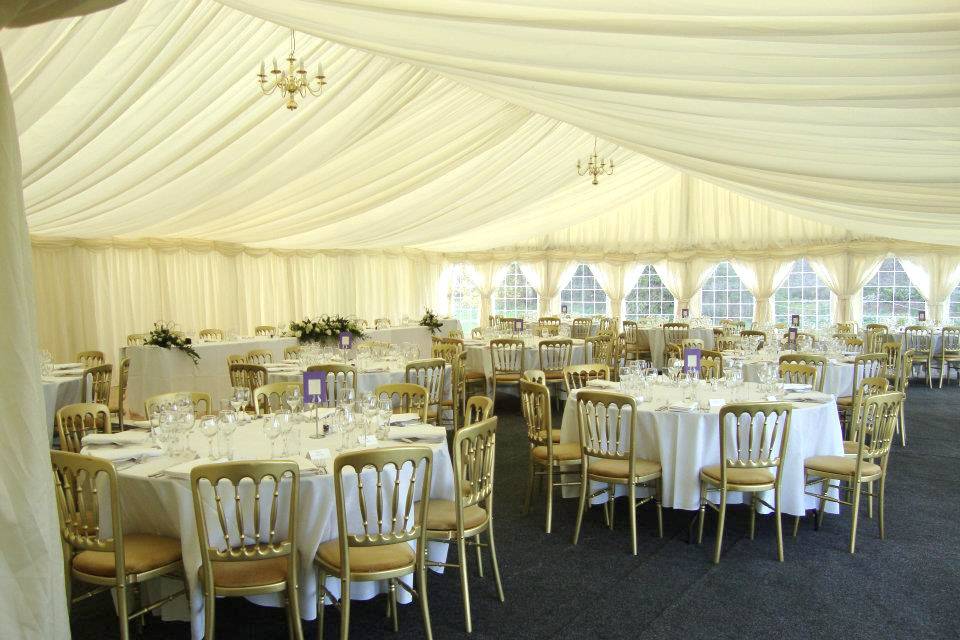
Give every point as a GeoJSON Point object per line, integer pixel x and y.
{"type": "Point", "coordinates": [907, 586]}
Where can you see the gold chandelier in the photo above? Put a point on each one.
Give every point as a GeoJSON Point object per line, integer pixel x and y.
{"type": "Point", "coordinates": [293, 81]}
{"type": "Point", "coordinates": [596, 165]}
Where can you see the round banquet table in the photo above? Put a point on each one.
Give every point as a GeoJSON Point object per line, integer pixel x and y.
{"type": "Point", "coordinates": [163, 504]}
{"type": "Point", "coordinates": [62, 387]}
{"type": "Point", "coordinates": [838, 376]}
{"type": "Point", "coordinates": [686, 441]}
{"type": "Point", "coordinates": [371, 376]}
{"type": "Point", "coordinates": [657, 343]}
{"type": "Point", "coordinates": [478, 354]}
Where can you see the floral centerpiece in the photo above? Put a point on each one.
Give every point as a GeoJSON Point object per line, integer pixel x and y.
{"type": "Point", "coordinates": [166, 335]}
{"type": "Point", "coordinates": [431, 321]}
{"type": "Point", "coordinates": [325, 328]}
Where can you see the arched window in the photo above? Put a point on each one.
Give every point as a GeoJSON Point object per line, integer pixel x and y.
{"type": "Point", "coordinates": [464, 298]}
{"type": "Point", "coordinates": [803, 293]}
{"type": "Point", "coordinates": [514, 298]}
{"type": "Point", "coordinates": [724, 296]}
{"type": "Point", "coordinates": [649, 298]}
{"type": "Point", "coordinates": [583, 295]}
{"type": "Point", "coordinates": [954, 310]}
{"type": "Point", "coordinates": [889, 297]}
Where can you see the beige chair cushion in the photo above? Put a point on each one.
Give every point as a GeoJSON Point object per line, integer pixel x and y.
{"type": "Point", "coordinates": [739, 476]}
{"type": "Point", "coordinates": [568, 451]}
{"type": "Point", "coordinates": [845, 401]}
{"type": "Point", "coordinates": [621, 468]}
{"type": "Point", "coordinates": [507, 377]}
{"type": "Point", "coordinates": [383, 557]}
{"type": "Point", "coordinates": [142, 552]}
{"type": "Point", "coordinates": [553, 375]}
{"type": "Point", "coordinates": [248, 573]}
{"type": "Point", "coordinates": [474, 375]}
{"type": "Point", "coordinates": [851, 447]}
{"type": "Point", "coordinates": [840, 465]}
{"type": "Point", "coordinates": [442, 516]}
{"type": "Point", "coordinates": [555, 435]}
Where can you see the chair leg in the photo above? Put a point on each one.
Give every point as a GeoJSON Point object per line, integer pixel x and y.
{"type": "Point", "coordinates": [611, 500]}
{"type": "Point", "coordinates": [493, 561]}
{"type": "Point", "coordinates": [321, 602]}
{"type": "Point", "coordinates": [854, 516]}
{"type": "Point", "coordinates": [633, 517]}
{"type": "Point", "coordinates": [530, 479]}
{"type": "Point", "coordinates": [209, 615]}
{"type": "Point", "coordinates": [464, 584]}
{"type": "Point", "coordinates": [393, 605]}
{"type": "Point", "coordinates": [424, 606]}
{"type": "Point", "coordinates": [753, 514]}
{"type": "Point", "coordinates": [883, 484]}
{"type": "Point", "coordinates": [344, 608]}
{"type": "Point", "coordinates": [658, 500]}
{"type": "Point", "coordinates": [703, 505]}
{"type": "Point", "coordinates": [123, 612]}
{"type": "Point", "coordinates": [796, 525]}
{"type": "Point", "coordinates": [479, 557]}
{"type": "Point", "coordinates": [825, 488]}
{"type": "Point", "coordinates": [779, 523]}
{"type": "Point", "coordinates": [584, 486]}
{"type": "Point", "coordinates": [549, 525]}
{"type": "Point", "coordinates": [903, 426]}
{"type": "Point", "coordinates": [870, 500]}
{"type": "Point", "coordinates": [723, 514]}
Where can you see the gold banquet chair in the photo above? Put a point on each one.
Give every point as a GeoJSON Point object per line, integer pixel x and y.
{"type": "Point", "coordinates": [265, 331]}
{"type": "Point", "coordinates": [470, 514]}
{"type": "Point", "coordinates": [754, 464]}
{"type": "Point", "coordinates": [865, 365]}
{"type": "Point", "coordinates": [711, 365]}
{"type": "Point", "coordinates": [250, 376]}
{"type": "Point", "coordinates": [91, 358]}
{"type": "Point", "coordinates": [406, 396]}
{"type": "Point", "coordinates": [817, 361]}
{"type": "Point", "coordinates": [259, 356]}
{"type": "Point", "coordinates": [95, 384]}
{"type": "Point", "coordinates": [797, 373]}
{"type": "Point", "coordinates": [429, 374]}
{"type": "Point", "coordinates": [118, 402]}
{"type": "Point", "coordinates": [244, 556]}
{"type": "Point", "coordinates": [949, 355]}
{"type": "Point", "coordinates": [546, 457]}
{"type": "Point", "coordinates": [86, 488]}
{"type": "Point", "coordinates": [478, 408]}
{"type": "Point", "coordinates": [136, 339]}
{"type": "Point", "coordinates": [919, 339]}
{"type": "Point", "coordinates": [202, 404]}
{"type": "Point", "coordinates": [292, 353]}
{"type": "Point", "coordinates": [581, 328]}
{"type": "Point", "coordinates": [576, 376]}
{"type": "Point", "coordinates": [608, 455]}
{"type": "Point", "coordinates": [211, 335]}
{"type": "Point", "coordinates": [598, 349]}
{"type": "Point", "coordinates": [269, 397]}
{"type": "Point", "coordinates": [373, 540]}
{"type": "Point", "coordinates": [74, 421]}
{"type": "Point", "coordinates": [875, 425]}
{"type": "Point", "coordinates": [555, 356]}
{"type": "Point", "coordinates": [506, 358]}
{"type": "Point", "coordinates": [340, 378]}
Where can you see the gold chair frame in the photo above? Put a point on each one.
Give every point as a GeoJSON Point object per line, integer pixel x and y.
{"type": "Point", "coordinates": [270, 391]}
{"type": "Point", "coordinates": [339, 377]}
{"type": "Point", "coordinates": [198, 398]}
{"type": "Point", "coordinates": [90, 359]}
{"type": "Point", "coordinates": [95, 384]}
{"type": "Point", "coordinates": [77, 420]}
{"type": "Point", "coordinates": [211, 335]}
{"type": "Point", "coordinates": [411, 398]}
{"type": "Point", "coordinates": [478, 409]}
{"type": "Point", "coordinates": [429, 374]}
{"type": "Point", "coordinates": [507, 356]}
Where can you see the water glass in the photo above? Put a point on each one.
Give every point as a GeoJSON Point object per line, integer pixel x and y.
{"type": "Point", "coordinates": [227, 425]}
{"type": "Point", "coordinates": [210, 429]}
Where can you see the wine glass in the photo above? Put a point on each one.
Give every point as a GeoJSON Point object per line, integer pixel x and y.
{"type": "Point", "coordinates": [674, 367]}
{"type": "Point", "coordinates": [286, 427]}
{"type": "Point", "coordinates": [385, 407]}
{"type": "Point", "coordinates": [293, 398]}
{"type": "Point", "coordinates": [272, 427]}
{"type": "Point", "coordinates": [236, 400]}
{"type": "Point", "coordinates": [227, 425]}
{"type": "Point", "coordinates": [209, 428]}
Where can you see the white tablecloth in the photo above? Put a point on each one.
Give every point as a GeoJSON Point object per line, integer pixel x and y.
{"type": "Point", "coordinates": [367, 381]}
{"type": "Point", "coordinates": [59, 391]}
{"type": "Point", "coordinates": [164, 505]}
{"type": "Point", "coordinates": [838, 378]}
{"type": "Point", "coordinates": [414, 334]}
{"type": "Point", "coordinates": [478, 354]}
{"type": "Point", "coordinates": [657, 343]}
{"type": "Point", "coordinates": [686, 442]}
{"type": "Point", "coordinates": [154, 370]}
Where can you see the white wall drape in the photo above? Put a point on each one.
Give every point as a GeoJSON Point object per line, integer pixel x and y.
{"type": "Point", "coordinates": [487, 277]}
{"type": "Point", "coordinates": [845, 274]}
{"type": "Point", "coordinates": [548, 277]}
{"type": "Point", "coordinates": [935, 277]}
{"type": "Point", "coordinates": [762, 278]}
{"type": "Point", "coordinates": [612, 279]}
{"type": "Point", "coordinates": [684, 280]}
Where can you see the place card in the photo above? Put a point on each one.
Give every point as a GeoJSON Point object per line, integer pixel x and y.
{"type": "Point", "coordinates": [517, 325]}
{"type": "Point", "coordinates": [691, 360]}
{"type": "Point", "coordinates": [315, 386]}
{"type": "Point", "coordinates": [345, 339]}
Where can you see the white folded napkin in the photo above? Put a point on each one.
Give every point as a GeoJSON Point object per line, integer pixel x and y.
{"type": "Point", "coordinates": [603, 384]}
{"type": "Point", "coordinates": [121, 438]}
{"type": "Point", "coordinates": [425, 432]}
{"type": "Point", "coordinates": [682, 406]}
{"type": "Point", "coordinates": [121, 454]}
{"type": "Point", "coordinates": [811, 396]}
{"type": "Point", "coordinates": [403, 418]}
{"type": "Point", "coordinates": [136, 424]}
{"type": "Point", "coordinates": [373, 369]}
{"type": "Point", "coordinates": [796, 386]}
{"type": "Point", "coordinates": [68, 365]}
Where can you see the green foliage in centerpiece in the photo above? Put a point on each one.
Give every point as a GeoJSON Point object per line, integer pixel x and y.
{"type": "Point", "coordinates": [431, 321]}
{"type": "Point", "coordinates": [165, 334]}
{"type": "Point", "coordinates": [325, 328]}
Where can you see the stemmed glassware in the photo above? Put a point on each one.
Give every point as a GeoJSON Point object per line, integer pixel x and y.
{"type": "Point", "coordinates": [674, 366]}
{"type": "Point", "coordinates": [210, 429]}
{"type": "Point", "coordinates": [227, 425]}
{"type": "Point", "coordinates": [370, 410]}
{"type": "Point", "coordinates": [293, 399]}
{"type": "Point", "coordinates": [272, 427]}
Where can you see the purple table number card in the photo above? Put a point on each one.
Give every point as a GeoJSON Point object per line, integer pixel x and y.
{"type": "Point", "coordinates": [795, 320]}
{"type": "Point", "coordinates": [792, 338]}
{"type": "Point", "coordinates": [684, 313]}
{"type": "Point", "coordinates": [517, 325]}
{"type": "Point", "coordinates": [691, 360]}
{"type": "Point", "coordinates": [315, 386]}
{"type": "Point", "coordinates": [564, 309]}
{"type": "Point", "coordinates": [345, 340]}
{"type": "Point", "coordinates": [921, 315]}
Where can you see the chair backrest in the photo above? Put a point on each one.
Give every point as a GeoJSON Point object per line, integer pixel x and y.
{"type": "Point", "coordinates": [136, 339]}
{"type": "Point", "coordinates": [506, 355]}
{"type": "Point", "coordinates": [872, 326]}
{"type": "Point", "coordinates": [122, 388]}
{"type": "Point", "coordinates": [535, 407]}
{"type": "Point", "coordinates": [456, 334]}
{"type": "Point", "coordinates": [446, 351]}
{"type": "Point", "coordinates": [535, 375]}
{"type": "Point", "coordinates": [382, 323]}
{"type": "Point", "coordinates": [874, 425]}
{"type": "Point", "coordinates": [580, 328]}
{"type": "Point", "coordinates": [91, 359]}
{"type": "Point", "coordinates": [291, 353]}
{"type": "Point", "coordinates": [691, 343]}
{"type": "Point", "coordinates": [754, 435]}
{"type": "Point", "coordinates": [728, 343]}
{"type": "Point", "coordinates": [918, 338]}
{"type": "Point", "coordinates": [846, 327]}
{"type": "Point", "coordinates": [576, 376]}
{"type": "Point", "coordinates": [902, 381]}
{"type": "Point", "coordinates": [427, 373]}
{"type": "Point", "coordinates": [265, 330]}
{"type": "Point", "coordinates": [608, 325]}
{"type": "Point", "coordinates": [798, 373]}
{"type": "Point", "coordinates": [474, 450]}
{"type": "Point", "coordinates": [873, 340]}
{"type": "Point", "coordinates": [607, 422]}
{"type": "Point", "coordinates": [631, 332]}
{"type": "Point", "coordinates": [202, 404]}
{"type": "Point", "coordinates": [868, 387]}
{"type": "Point", "coordinates": [269, 397]}
{"type": "Point", "coordinates": [549, 326]}
{"type": "Point", "coordinates": [85, 487]}
{"type": "Point", "coordinates": [478, 408]}
{"type": "Point", "coordinates": [340, 378]}
{"type": "Point", "coordinates": [388, 492]}
{"type": "Point", "coordinates": [730, 326]}
{"type": "Point", "coordinates": [259, 356]}
{"type": "Point", "coordinates": [505, 324]}
{"type": "Point", "coordinates": [250, 376]}
{"type": "Point", "coordinates": [555, 354]}
{"type": "Point", "coordinates": [476, 333]}
{"type": "Point", "coordinates": [406, 397]}
{"type": "Point", "coordinates": [96, 383]}
{"type": "Point", "coordinates": [211, 335]}
{"type": "Point", "coordinates": [867, 365]}
{"type": "Point", "coordinates": [598, 349]}
{"type": "Point", "coordinates": [236, 359]}
{"type": "Point", "coordinates": [747, 333]}
{"type": "Point", "coordinates": [675, 332]}
{"type": "Point", "coordinates": [238, 508]}
{"type": "Point", "coordinates": [950, 339]}
{"type": "Point", "coordinates": [817, 361]}
{"type": "Point", "coordinates": [77, 420]}
{"type": "Point", "coordinates": [711, 364]}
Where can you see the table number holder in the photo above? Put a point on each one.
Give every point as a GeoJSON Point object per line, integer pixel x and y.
{"type": "Point", "coordinates": [684, 313]}
{"type": "Point", "coordinates": [315, 391]}
{"type": "Point", "coordinates": [792, 338]}
{"type": "Point", "coordinates": [691, 360]}
{"type": "Point", "coordinates": [922, 315]}
{"type": "Point", "coordinates": [518, 325]}
{"type": "Point", "coordinates": [795, 320]}
{"type": "Point", "coordinates": [564, 309]}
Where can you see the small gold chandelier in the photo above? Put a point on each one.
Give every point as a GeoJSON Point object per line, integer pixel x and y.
{"type": "Point", "coordinates": [596, 165]}
{"type": "Point", "coordinates": [293, 81]}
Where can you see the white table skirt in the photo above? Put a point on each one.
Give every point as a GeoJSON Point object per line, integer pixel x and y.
{"type": "Point", "coordinates": [657, 343]}
{"type": "Point", "coordinates": [154, 370]}
{"type": "Point", "coordinates": [838, 378]}
{"type": "Point", "coordinates": [59, 391]}
{"type": "Point", "coordinates": [686, 442]}
{"type": "Point", "coordinates": [164, 506]}
{"type": "Point", "coordinates": [367, 381]}
{"type": "Point", "coordinates": [478, 355]}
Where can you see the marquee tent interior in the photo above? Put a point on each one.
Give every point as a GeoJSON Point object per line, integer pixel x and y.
{"type": "Point", "coordinates": [158, 183]}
